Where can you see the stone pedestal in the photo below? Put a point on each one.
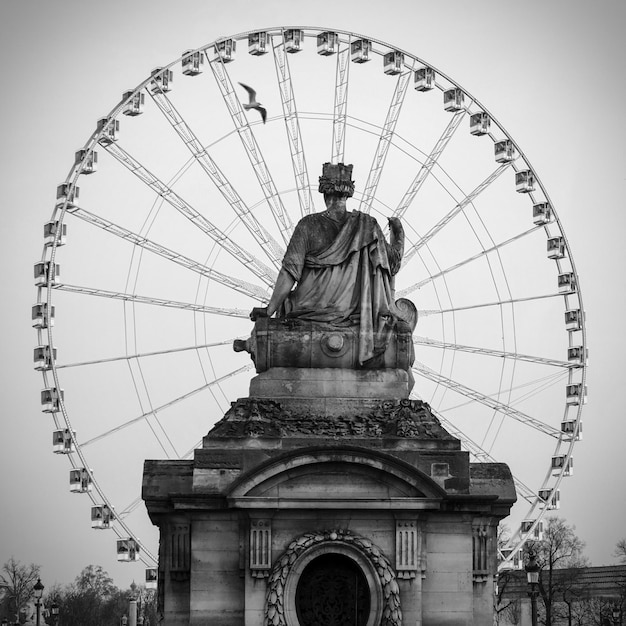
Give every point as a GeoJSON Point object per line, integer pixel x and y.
{"type": "Point", "coordinates": [324, 474]}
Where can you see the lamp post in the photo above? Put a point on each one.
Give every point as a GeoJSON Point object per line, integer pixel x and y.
{"type": "Point", "coordinates": [617, 614]}
{"type": "Point", "coordinates": [38, 589]}
{"type": "Point", "coordinates": [54, 611]}
{"type": "Point", "coordinates": [532, 576]}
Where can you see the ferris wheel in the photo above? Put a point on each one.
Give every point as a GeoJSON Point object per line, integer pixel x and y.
{"type": "Point", "coordinates": [174, 217]}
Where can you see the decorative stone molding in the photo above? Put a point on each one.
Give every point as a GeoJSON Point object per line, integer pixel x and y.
{"type": "Point", "coordinates": [410, 552]}
{"type": "Point", "coordinates": [260, 548]}
{"type": "Point", "coordinates": [275, 598]}
{"type": "Point", "coordinates": [481, 533]}
{"type": "Point", "coordinates": [180, 552]}
{"type": "Point", "coordinates": [256, 417]}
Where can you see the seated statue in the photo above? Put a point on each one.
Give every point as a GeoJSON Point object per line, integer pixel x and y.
{"type": "Point", "coordinates": [342, 269]}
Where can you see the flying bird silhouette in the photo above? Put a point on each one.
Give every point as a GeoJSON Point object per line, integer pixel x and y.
{"type": "Point", "coordinates": [253, 104]}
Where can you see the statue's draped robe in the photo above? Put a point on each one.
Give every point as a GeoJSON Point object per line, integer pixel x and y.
{"type": "Point", "coordinates": [343, 274]}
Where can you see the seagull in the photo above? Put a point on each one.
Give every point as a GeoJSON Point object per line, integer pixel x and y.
{"type": "Point", "coordinates": [253, 104]}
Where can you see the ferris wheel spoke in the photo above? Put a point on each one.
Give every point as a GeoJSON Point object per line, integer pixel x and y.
{"type": "Point", "coordinates": [142, 355]}
{"type": "Point", "coordinates": [456, 266]}
{"type": "Point", "coordinates": [129, 508]}
{"type": "Point", "coordinates": [428, 164]}
{"type": "Point", "coordinates": [482, 455]}
{"type": "Point", "coordinates": [425, 341]}
{"type": "Point", "coordinates": [266, 242]}
{"type": "Point", "coordinates": [167, 405]}
{"type": "Point", "coordinates": [535, 386]}
{"type": "Point", "coordinates": [487, 401]}
{"type": "Point", "coordinates": [455, 211]}
{"type": "Point", "coordinates": [129, 297]}
{"type": "Point", "coordinates": [241, 286]}
{"type": "Point", "coordinates": [252, 149]}
{"type": "Point", "coordinates": [267, 275]}
{"type": "Point", "coordinates": [341, 104]}
{"type": "Point", "coordinates": [426, 312]}
{"type": "Point", "coordinates": [384, 140]}
{"type": "Point", "coordinates": [292, 125]}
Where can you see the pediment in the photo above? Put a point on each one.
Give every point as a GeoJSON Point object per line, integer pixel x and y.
{"type": "Point", "coordinates": [327, 476]}
{"type": "Point", "coordinates": [335, 480]}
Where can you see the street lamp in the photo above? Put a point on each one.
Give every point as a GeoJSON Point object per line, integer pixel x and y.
{"type": "Point", "coordinates": [38, 589]}
{"type": "Point", "coordinates": [532, 576]}
{"type": "Point", "coordinates": [616, 615]}
{"type": "Point", "coordinates": [124, 621]}
{"type": "Point", "coordinates": [54, 610]}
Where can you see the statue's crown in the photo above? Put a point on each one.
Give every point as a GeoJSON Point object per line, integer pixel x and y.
{"type": "Point", "coordinates": [336, 178]}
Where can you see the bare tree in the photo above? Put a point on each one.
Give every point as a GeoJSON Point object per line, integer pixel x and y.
{"type": "Point", "coordinates": [620, 550]}
{"type": "Point", "coordinates": [560, 548]}
{"type": "Point", "coordinates": [18, 581]}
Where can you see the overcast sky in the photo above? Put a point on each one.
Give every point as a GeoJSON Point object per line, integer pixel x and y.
{"type": "Point", "coordinates": [551, 73]}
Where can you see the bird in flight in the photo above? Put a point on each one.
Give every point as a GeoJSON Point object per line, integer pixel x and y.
{"type": "Point", "coordinates": [253, 104]}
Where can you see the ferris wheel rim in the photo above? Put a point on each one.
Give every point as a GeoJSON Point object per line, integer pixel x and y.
{"type": "Point", "coordinates": [49, 253]}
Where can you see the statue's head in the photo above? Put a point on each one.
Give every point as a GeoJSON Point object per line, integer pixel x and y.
{"type": "Point", "coordinates": [336, 179]}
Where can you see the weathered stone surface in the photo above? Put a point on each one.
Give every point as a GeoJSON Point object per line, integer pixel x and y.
{"type": "Point", "coordinates": [305, 344]}
{"type": "Point", "coordinates": [329, 387]}
{"type": "Point", "coordinates": [264, 418]}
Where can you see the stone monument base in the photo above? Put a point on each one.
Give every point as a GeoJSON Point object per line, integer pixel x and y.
{"type": "Point", "coordinates": [298, 504]}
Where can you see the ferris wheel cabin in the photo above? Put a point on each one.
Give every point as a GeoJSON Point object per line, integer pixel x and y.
{"type": "Point", "coordinates": [573, 319]}
{"type": "Point", "coordinates": [43, 358]}
{"type": "Point", "coordinates": [575, 393]}
{"type": "Point", "coordinates": [453, 100]}
{"type": "Point", "coordinates": [567, 282]}
{"type": "Point", "coordinates": [577, 355]}
{"type": "Point", "coordinates": [80, 480]}
{"type": "Point", "coordinates": [50, 399]}
{"type": "Point", "coordinates": [526, 528]}
{"type": "Point", "coordinates": [88, 160]}
{"type": "Point", "coordinates": [524, 181]}
{"type": "Point", "coordinates": [101, 517]}
{"type": "Point", "coordinates": [424, 79]}
{"type": "Point", "coordinates": [151, 578]}
{"type": "Point", "coordinates": [44, 270]}
{"type": "Point", "coordinates": [551, 499]}
{"type": "Point", "coordinates": [257, 43]}
{"type": "Point", "coordinates": [225, 50]}
{"type": "Point", "coordinates": [294, 39]}
{"type": "Point", "coordinates": [162, 80]}
{"type": "Point", "coordinates": [556, 247]}
{"type": "Point", "coordinates": [67, 191]}
{"type": "Point", "coordinates": [192, 62]}
{"type": "Point", "coordinates": [108, 129]}
{"type": "Point", "coordinates": [40, 316]}
{"type": "Point", "coordinates": [63, 441]}
{"type": "Point", "coordinates": [327, 43]}
{"type": "Point", "coordinates": [479, 123]}
{"type": "Point", "coordinates": [570, 428]}
{"type": "Point", "coordinates": [559, 462]}
{"type": "Point", "coordinates": [504, 151]}
{"type": "Point", "coordinates": [127, 550]}
{"type": "Point", "coordinates": [134, 103]}
{"type": "Point", "coordinates": [542, 213]}
{"type": "Point", "coordinates": [50, 230]}
{"type": "Point", "coordinates": [393, 62]}
{"type": "Point", "coordinates": [360, 50]}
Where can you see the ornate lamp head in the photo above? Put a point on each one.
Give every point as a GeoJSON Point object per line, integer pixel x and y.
{"type": "Point", "coordinates": [336, 179]}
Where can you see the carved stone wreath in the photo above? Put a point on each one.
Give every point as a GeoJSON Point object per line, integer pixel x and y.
{"type": "Point", "coordinates": [275, 599]}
